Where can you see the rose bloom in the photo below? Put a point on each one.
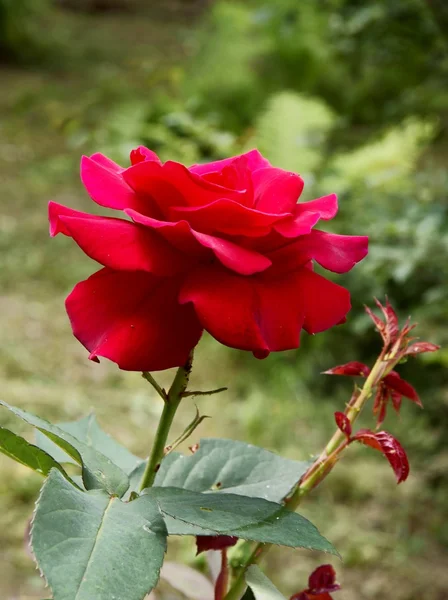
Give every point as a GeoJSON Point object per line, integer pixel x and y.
{"type": "Point", "coordinates": [222, 246]}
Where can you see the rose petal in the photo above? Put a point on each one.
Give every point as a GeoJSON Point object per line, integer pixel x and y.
{"type": "Point", "coordinates": [106, 162]}
{"type": "Point", "coordinates": [235, 176]}
{"type": "Point", "coordinates": [337, 253]}
{"type": "Point", "coordinates": [141, 153]}
{"type": "Point", "coordinates": [298, 225]}
{"type": "Point", "coordinates": [326, 207]}
{"type": "Point", "coordinates": [182, 236]}
{"type": "Point", "coordinates": [105, 184]}
{"type": "Point", "coordinates": [133, 319]}
{"type": "Point", "coordinates": [226, 216]}
{"type": "Point", "coordinates": [254, 161]}
{"type": "Point", "coordinates": [326, 303]}
{"type": "Point", "coordinates": [263, 314]}
{"type": "Point", "coordinates": [118, 244]}
{"type": "Point", "coordinates": [276, 190]}
{"type": "Point", "coordinates": [308, 213]}
{"type": "Point", "coordinates": [55, 211]}
{"type": "Point", "coordinates": [241, 312]}
{"type": "Point", "coordinates": [172, 184]}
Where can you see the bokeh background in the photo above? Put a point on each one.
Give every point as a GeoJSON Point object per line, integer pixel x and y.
{"type": "Point", "coordinates": [350, 93]}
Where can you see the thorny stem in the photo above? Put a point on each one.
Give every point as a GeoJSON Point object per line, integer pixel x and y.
{"type": "Point", "coordinates": [320, 468]}
{"type": "Point", "coordinates": [172, 400]}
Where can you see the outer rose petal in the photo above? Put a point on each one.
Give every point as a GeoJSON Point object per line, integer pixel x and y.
{"type": "Point", "coordinates": [133, 319]}
{"type": "Point", "coordinates": [55, 211]}
{"type": "Point", "coordinates": [172, 184]}
{"type": "Point", "coordinates": [226, 216]}
{"type": "Point", "coordinates": [182, 236]}
{"type": "Point", "coordinates": [105, 184]}
{"type": "Point", "coordinates": [337, 253]}
{"type": "Point", "coordinates": [254, 161]}
{"type": "Point", "coordinates": [297, 226]}
{"type": "Point", "coordinates": [276, 190]}
{"type": "Point", "coordinates": [142, 153]}
{"type": "Point", "coordinates": [118, 244]}
{"type": "Point", "coordinates": [260, 313]}
{"type": "Point", "coordinates": [326, 207]}
{"type": "Point", "coordinates": [323, 208]}
{"type": "Point", "coordinates": [106, 162]}
{"type": "Point", "coordinates": [326, 303]}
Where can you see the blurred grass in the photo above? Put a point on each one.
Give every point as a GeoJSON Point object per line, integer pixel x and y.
{"type": "Point", "coordinates": [393, 540]}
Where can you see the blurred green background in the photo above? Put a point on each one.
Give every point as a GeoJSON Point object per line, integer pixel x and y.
{"type": "Point", "coordinates": [353, 95]}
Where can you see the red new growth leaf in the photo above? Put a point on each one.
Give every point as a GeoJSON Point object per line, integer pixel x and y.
{"type": "Point", "coordinates": [390, 315]}
{"type": "Point", "coordinates": [351, 369]}
{"type": "Point", "coordinates": [421, 347]}
{"type": "Point", "coordinates": [390, 447]}
{"type": "Point", "coordinates": [389, 328]}
{"type": "Point", "coordinates": [394, 382]}
{"type": "Point", "coordinates": [307, 595]}
{"type": "Point", "coordinates": [323, 579]}
{"type": "Point", "coordinates": [321, 582]}
{"type": "Point", "coordinates": [214, 542]}
{"type": "Point", "coordinates": [380, 403]}
{"type": "Point", "coordinates": [343, 423]}
{"type": "Point", "coordinates": [392, 387]}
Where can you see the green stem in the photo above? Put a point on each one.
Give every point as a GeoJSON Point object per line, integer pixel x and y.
{"type": "Point", "coordinates": [150, 379]}
{"type": "Point", "coordinates": [318, 470]}
{"type": "Point", "coordinates": [172, 400]}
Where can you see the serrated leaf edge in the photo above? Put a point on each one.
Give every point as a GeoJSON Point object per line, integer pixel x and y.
{"type": "Point", "coordinates": [30, 543]}
{"type": "Point", "coordinates": [50, 436]}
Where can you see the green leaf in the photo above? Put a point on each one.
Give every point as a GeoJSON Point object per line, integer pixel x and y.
{"type": "Point", "coordinates": [261, 586]}
{"type": "Point", "coordinates": [90, 546]}
{"type": "Point", "coordinates": [98, 471]}
{"type": "Point", "coordinates": [232, 467]}
{"type": "Point", "coordinates": [255, 519]}
{"type": "Point", "coordinates": [17, 448]}
{"type": "Point", "coordinates": [88, 431]}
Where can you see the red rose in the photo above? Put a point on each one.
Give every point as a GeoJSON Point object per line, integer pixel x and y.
{"type": "Point", "coordinates": [222, 246]}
